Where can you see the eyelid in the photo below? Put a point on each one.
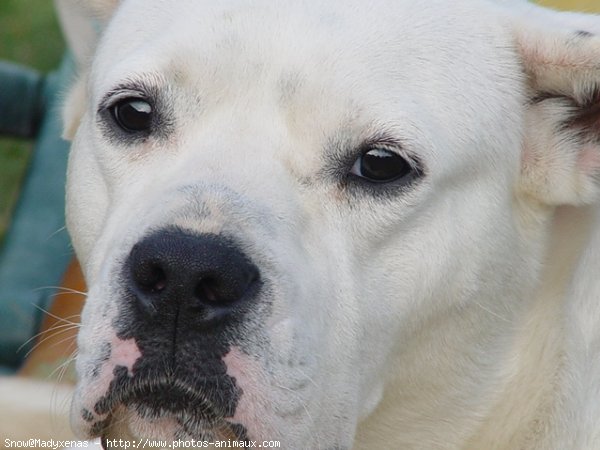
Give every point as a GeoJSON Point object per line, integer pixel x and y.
{"type": "Point", "coordinates": [114, 96]}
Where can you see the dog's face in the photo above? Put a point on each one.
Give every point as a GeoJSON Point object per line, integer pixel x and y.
{"type": "Point", "coordinates": [284, 209]}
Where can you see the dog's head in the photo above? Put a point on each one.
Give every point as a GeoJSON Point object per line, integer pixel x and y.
{"type": "Point", "coordinates": [289, 211]}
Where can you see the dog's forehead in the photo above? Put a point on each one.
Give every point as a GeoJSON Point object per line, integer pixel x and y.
{"type": "Point", "coordinates": [399, 38]}
{"type": "Point", "coordinates": [442, 60]}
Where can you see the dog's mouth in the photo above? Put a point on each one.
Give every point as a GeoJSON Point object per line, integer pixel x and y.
{"type": "Point", "coordinates": [165, 409]}
{"type": "Point", "coordinates": [153, 399]}
{"type": "Point", "coordinates": [117, 432]}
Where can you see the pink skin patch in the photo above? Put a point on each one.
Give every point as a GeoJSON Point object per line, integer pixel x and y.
{"type": "Point", "coordinates": [253, 409]}
{"type": "Point", "coordinates": [253, 406]}
{"type": "Point", "coordinates": [123, 353]}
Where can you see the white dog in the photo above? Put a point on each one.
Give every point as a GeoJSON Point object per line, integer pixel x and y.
{"type": "Point", "coordinates": [340, 224]}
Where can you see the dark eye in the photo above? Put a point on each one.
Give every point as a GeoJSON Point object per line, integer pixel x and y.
{"type": "Point", "coordinates": [380, 165]}
{"type": "Point", "coordinates": [133, 114]}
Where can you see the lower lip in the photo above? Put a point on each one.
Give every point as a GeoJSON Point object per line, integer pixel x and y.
{"type": "Point", "coordinates": [119, 430]}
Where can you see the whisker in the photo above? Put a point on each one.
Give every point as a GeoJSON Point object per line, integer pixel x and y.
{"type": "Point", "coordinates": [55, 405]}
{"type": "Point", "coordinates": [59, 294]}
{"type": "Point", "coordinates": [37, 344]}
{"type": "Point", "coordinates": [56, 329]}
{"type": "Point", "coordinates": [60, 319]}
{"type": "Point", "coordinates": [62, 289]}
{"type": "Point", "coordinates": [64, 339]}
{"type": "Point", "coordinates": [64, 364]}
{"type": "Point", "coordinates": [61, 229]}
{"type": "Point", "coordinates": [491, 312]}
{"type": "Point", "coordinates": [302, 403]}
{"type": "Point", "coordinates": [307, 377]}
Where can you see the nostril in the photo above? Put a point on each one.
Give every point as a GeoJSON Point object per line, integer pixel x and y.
{"type": "Point", "coordinates": [223, 289]}
{"type": "Point", "coordinates": [207, 275]}
{"type": "Point", "coordinates": [208, 290]}
{"type": "Point", "coordinates": [150, 278]}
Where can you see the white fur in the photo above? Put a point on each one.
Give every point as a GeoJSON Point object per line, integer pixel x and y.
{"type": "Point", "coordinates": [461, 313]}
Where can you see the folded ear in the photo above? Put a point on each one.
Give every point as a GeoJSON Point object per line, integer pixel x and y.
{"type": "Point", "coordinates": [99, 9]}
{"type": "Point", "coordinates": [82, 22]}
{"type": "Point", "coordinates": [73, 109]}
{"type": "Point", "coordinates": [560, 53]}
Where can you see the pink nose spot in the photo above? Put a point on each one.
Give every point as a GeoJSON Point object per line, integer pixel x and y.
{"type": "Point", "coordinates": [124, 353]}
{"type": "Point", "coordinates": [251, 405]}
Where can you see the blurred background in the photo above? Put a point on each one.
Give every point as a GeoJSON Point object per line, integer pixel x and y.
{"type": "Point", "coordinates": [575, 5]}
{"type": "Point", "coordinates": [29, 35]}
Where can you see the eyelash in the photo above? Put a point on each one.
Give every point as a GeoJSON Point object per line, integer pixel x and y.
{"type": "Point", "coordinates": [115, 96]}
{"type": "Point", "coordinates": [163, 121]}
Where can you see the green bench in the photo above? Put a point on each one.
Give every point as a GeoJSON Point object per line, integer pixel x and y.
{"type": "Point", "coordinates": [36, 248]}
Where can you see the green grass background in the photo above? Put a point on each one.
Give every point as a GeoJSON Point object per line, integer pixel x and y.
{"type": "Point", "coordinates": [29, 35]}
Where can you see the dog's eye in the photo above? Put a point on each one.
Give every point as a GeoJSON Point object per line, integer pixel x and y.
{"type": "Point", "coordinates": [133, 114]}
{"type": "Point", "coordinates": [380, 165]}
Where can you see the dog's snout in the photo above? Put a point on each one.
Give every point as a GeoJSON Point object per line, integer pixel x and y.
{"type": "Point", "coordinates": [205, 274]}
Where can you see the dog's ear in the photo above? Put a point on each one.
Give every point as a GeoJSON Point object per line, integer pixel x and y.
{"type": "Point", "coordinates": [73, 109]}
{"type": "Point", "coordinates": [99, 9]}
{"type": "Point", "coordinates": [82, 22]}
{"type": "Point", "coordinates": [560, 55]}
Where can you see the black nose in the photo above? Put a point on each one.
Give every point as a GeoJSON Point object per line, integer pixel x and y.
{"type": "Point", "coordinates": [205, 274]}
